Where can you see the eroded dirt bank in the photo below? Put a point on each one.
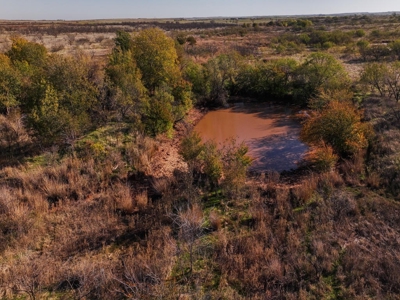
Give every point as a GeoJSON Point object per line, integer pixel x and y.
{"type": "Point", "coordinates": [167, 158]}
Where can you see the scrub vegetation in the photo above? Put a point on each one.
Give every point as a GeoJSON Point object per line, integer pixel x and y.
{"type": "Point", "coordinates": [92, 207]}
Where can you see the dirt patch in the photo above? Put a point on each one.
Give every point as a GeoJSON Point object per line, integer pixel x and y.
{"type": "Point", "coordinates": [167, 158]}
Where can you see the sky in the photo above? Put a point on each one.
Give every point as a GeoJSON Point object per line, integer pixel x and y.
{"type": "Point", "coordinates": [107, 9]}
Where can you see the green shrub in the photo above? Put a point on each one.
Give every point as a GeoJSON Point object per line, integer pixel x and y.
{"type": "Point", "coordinates": [359, 33]}
{"type": "Point", "coordinates": [191, 148]}
{"type": "Point", "coordinates": [327, 45]}
{"type": "Point", "coordinates": [235, 164]}
{"type": "Point", "coordinates": [395, 48]}
{"type": "Point", "coordinates": [212, 163]}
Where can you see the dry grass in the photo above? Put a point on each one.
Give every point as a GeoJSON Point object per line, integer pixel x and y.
{"type": "Point", "coordinates": [93, 235]}
{"type": "Point", "coordinates": [215, 220]}
{"type": "Point", "coordinates": [283, 253]}
{"type": "Point", "coordinates": [141, 153]}
{"type": "Point", "coordinates": [142, 200]}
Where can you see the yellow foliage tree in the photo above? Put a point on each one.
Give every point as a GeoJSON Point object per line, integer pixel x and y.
{"type": "Point", "coordinates": [24, 51]}
{"type": "Point", "coordinates": [156, 58]}
{"type": "Point", "coordinates": [338, 125]}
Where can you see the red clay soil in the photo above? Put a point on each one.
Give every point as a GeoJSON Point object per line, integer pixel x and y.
{"type": "Point", "coordinates": [167, 158]}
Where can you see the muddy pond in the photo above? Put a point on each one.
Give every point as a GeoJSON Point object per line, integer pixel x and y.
{"type": "Point", "coordinates": [270, 131]}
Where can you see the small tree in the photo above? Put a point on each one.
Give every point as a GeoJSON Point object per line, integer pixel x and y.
{"type": "Point", "coordinates": [190, 223]}
{"type": "Point", "coordinates": [374, 75]}
{"type": "Point", "coordinates": [395, 48]}
{"type": "Point", "coordinates": [339, 126]}
{"type": "Point", "coordinates": [181, 38]}
{"type": "Point", "coordinates": [323, 97]}
{"type": "Point", "coordinates": [363, 47]}
{"type": "Point", "coordinates": [212, 163]}
{"type": "Point", "coordinates": [13, 135]}
{"type": "Point", "coordinates": [378, 52]}
{"type": "Point", "coordinates": [191, 148]}
{"type": "Point", "coordinates": [235, 165]}
{"type": "Point", "coordinates": [323, 157]}
{"type": "Point", "coordinates": [123, 41]}
{"type": "Point", "coordinates": [359, 33]}
{"type": "Point", "coordinates": [191, 40]}
{"type": "Point", "coordinates": [392, 80]}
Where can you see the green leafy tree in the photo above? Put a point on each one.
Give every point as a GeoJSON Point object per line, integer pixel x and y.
{"type": "Point", "coordinates": [156, 57]}
{"type": "Point", "coordinates": [197, 76]}
{"type": "Point", "coordinates": [395, 48]}
{"type": "Point", "coordinates": [61, 98]}
{"type": "Point", "coordinates": [222, 71]}
{"type": "Point", "coordinates": [126, 93]}
{"type": "Point", "coordinates": [392, 80]}
{"type": "Point", "coordinates": [279, 74]}
{"type": "Point", "coordinates": [47, 118]}
{"type": "Point", "coordinates": [374, 75]}
{"type": "Point", "coordinates": [190, 149]}
{"type": "Point", "coordinates": [249, 80]}
{"type": "Point", "coordinates": [319, 71]}
{"type": "Point", "coordinates": [71, 77]}
{"type": "Point", "coordinates": [123, 41]}
{"type": "Point", "coordinates": [182, 99]}
{"type": "Point", "coordinates": [363, 48]}
{"type": "Point", "coordinates": [29, 60]}
{"type": "Point", "coordinates": [159, 115]}
{"type": "Point", "coordinates": [10, 85]}
{"type": "Point", "coordinates": [273, 78]}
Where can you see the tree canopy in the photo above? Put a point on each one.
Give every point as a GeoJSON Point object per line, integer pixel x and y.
{"type": "Point", "coordinates": [338, 125]}
{"type": "Point", "coordinates": [156, 57]}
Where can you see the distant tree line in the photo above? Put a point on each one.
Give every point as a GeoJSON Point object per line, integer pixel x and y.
{"type": "Point", "coordinates": [55, 28]}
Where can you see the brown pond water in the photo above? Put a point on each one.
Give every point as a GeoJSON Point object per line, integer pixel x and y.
{"type": "Point", "coordinates": [270, 132]}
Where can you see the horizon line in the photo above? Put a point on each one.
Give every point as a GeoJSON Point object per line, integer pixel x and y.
{"type": "Point", "coordinates": [214, 17]}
